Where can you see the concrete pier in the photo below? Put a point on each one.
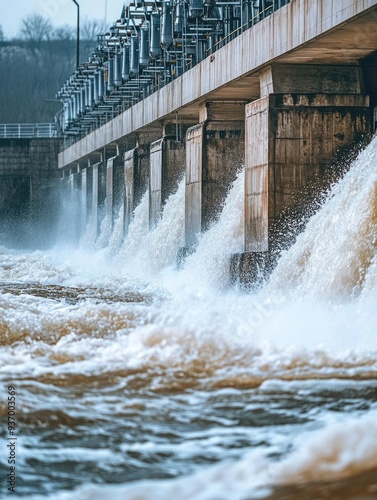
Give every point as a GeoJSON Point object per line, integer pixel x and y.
{"type": "Point", "coordinates": [86, 196]}
{"type": "Point", "coordinates": [98, 194]}
{"type": "Point", "coordinates": [136, 172]}
{"type": "Point", "coordinates": [293, 141]}
{"type": "Point", "coordinates": [29, 191]}
{"type": "Point", "coordinates": [114, 187]}
{"type": "Point", "coordinates": [167, 165]}
{"type": "Point", "coordinates": [214, 154]}
{"type": "Point", "coordinates": [74, 196]}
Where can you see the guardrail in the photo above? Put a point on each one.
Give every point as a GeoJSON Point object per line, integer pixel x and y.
{"type": "Point", "coordinates": [27, 130]}
{"type": "Point", "coordinates": [82, 112]}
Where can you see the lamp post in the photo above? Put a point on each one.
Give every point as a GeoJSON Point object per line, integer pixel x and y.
{"type": "Point", "coordinates": [77, 35]}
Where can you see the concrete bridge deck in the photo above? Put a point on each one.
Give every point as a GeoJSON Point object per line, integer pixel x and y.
{"type": "Point", "coordinates": [303, 32]}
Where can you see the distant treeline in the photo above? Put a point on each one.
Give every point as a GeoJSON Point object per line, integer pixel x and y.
{"type": "Point", "coordinates": [35, 64]}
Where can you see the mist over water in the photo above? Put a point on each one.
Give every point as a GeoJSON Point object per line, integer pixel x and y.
{"type": "Point", "coordinates": [138, 381]}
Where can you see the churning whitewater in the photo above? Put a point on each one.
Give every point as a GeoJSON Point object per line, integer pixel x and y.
{"type": "Point", "coordinates": [137, 381]}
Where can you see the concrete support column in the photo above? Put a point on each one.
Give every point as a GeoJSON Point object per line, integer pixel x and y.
{"type": "Point", "coordinates": [74, 190]}
{"type": "Point", "coordinates": [136, 176]}
{"type": "Point", "coordinates": [214, 154]}
{"type": "Point", "coordinates": [167, 164]}
{"type": "Point", "coordinates": [114, 187]}
{"type": "Point", "coordinates": [86, 195]}
{"type": "Point", "coordinates": [137, 172]}
{"type": "Point", "coordinates": [292, 143]}
{"type": "Point", "coordinates": [98, 194]}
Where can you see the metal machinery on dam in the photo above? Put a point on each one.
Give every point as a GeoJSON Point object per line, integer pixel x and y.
{"type": "Point", "coordinates": [199, 89]}
{"type": "Point", "coordinates": [152, 43]}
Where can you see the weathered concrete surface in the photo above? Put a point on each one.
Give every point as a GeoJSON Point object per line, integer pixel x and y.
{"type": "Point", "coordinates": [28, 191]}
{"type": "Point", "coordinates": [155, 182]}
{"type": "Point", "coordinates": [114, 187]}
{"type": "Point", "coordinates": [136, 175]}
{"type": "Point", "coordinates": [313, 79]}
{"type": "Point", "coordinates": [72, 220]}
{"type": "Point", "coordinates": [129, 187]}
{"type": "Point", "coordinates": [304, 31]}
{"type": "Point", "coordinates": [98, 194]}
{"type": "Point", "coordinates": [214, 154]}
{"type": "Point", "coordinates": [86, 196]}
{"type": "Point", "coordinates": [291, 142]}
{"type": "Point", "coordinates": [194, 173]}
{"type": "Point", "coordinates": [167, 165]}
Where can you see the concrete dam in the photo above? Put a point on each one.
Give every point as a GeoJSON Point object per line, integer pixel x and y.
{"type": "Point", "coordinates": [283, 89]}
{"type": "Point", "coordinates": [188, 260]}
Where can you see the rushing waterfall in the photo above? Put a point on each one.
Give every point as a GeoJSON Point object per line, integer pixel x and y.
{"type": "Point", "coordinates": [209, 265]}
{"type": "Point", "coordinates": [89, 237]}
{"type": "Point", "coordinates": [105, 229]}
{"type": "Point", "coordinates": [138, 381]}
{"type": "Point", "coordinates": [116, 237]}
{"type": "Point", "coordinates": [158, 248]}
{"type": "Point", "coordinates": [335, 254]}
{"type": "Point", "coordinates": [137, 231]}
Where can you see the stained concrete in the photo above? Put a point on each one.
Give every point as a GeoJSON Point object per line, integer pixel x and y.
{"type": "Point", "coordinates": [115, 187]}
{"type": "Point", "coordinates": [98, 194]}
{"type": "Point", "coordinates": [28, 191]}
{"type": "Point", "coordinates": [214, 154]}
{"type": "Point", "coordinates": [136, 175]}
{"type": "Point", "coordinates": [167, 166]}
{"type": "Point", "coordinates": [86, 196]}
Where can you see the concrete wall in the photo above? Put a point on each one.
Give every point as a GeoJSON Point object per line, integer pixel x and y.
{"type": "Point", "coordinates": [98, 194]}
{"type": "Point", "coordinates": [29, 202]}
{"type": "Point", "coordinates": [136, 176]}
{"type": "Point", "coordinates": [86, 196]}
{"type": "Point", "coordinates": [114, 187]}
{"type": "Point", "coordinates": [214, 154]}
{"type": "Point", "coordinates": [292, 143]}
{"type": "Point", "coordinates": [167, 165]}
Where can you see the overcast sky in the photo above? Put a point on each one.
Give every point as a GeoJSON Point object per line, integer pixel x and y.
{"type": "Point", "coordinates": [58, 11]}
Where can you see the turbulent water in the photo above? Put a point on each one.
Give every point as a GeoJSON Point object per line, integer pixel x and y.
{"type": "Point", "coordinates": [136, 381]}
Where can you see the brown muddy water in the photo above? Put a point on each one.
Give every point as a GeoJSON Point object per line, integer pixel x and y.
{"type": "Point", "coordinates": [133, 380]}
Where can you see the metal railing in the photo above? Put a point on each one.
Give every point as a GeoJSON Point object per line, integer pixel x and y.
{"type": "Point", "coordinates": [81, 116]}
{"type": "Point", "coordinates": [251, 22]}
{"type": "Point", "coordinates": [27, 130]}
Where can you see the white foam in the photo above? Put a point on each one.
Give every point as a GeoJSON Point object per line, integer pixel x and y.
{"type": "Point", "coordinates": [337, 451]}
{"type": "Point", "coordinates": [336, 252]}
{"type": "Point", "coordinates": [314, 320]}
{"type": "Point", "coordinates": [116, 238]}
{"type": "Point", "coordinates": [106, 228]}
{"type": "Point", "coordinates": [209, 265]}
{"type": "Point", "coordinates": [157, 249]}
{"type": "Point", "coordinates": [137, 231]}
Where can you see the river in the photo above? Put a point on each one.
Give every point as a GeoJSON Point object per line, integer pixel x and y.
{"type": "Point", "coordinates": [137, 381]}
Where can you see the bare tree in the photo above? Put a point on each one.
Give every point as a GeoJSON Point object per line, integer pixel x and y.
{"type": "Point", "coordinates": [2, 37]}
{"type": "Point", "coordinates": [36, 28]}
{"type": "Point", "coordinates": [37, 63]}
{"type": "Point", "coordinates": [64, 33]}
{"type": "Point", "coordinates": [90, 28]}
